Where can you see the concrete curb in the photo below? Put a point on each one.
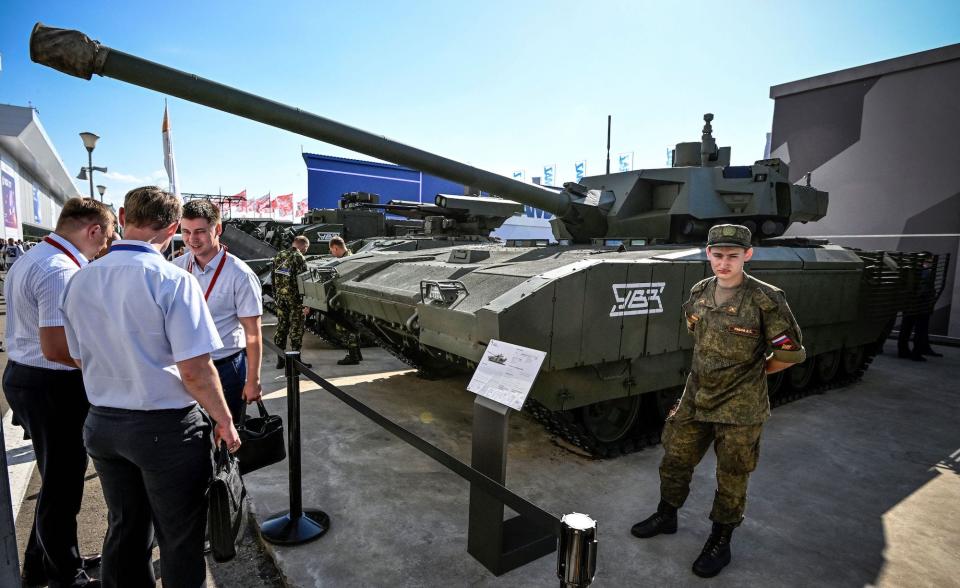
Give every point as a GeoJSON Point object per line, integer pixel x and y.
{"type": "Point", "coordinates": [268, 548]}
{"type": "Point", "coordinates": [20, 461]}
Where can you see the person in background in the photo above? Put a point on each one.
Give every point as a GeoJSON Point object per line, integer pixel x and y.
{"type": "Point", "coordinates": [338, 248]}
{"type": "Point", "coordinates": [46, 391]}
{"type": "Point", "coordinates": [916, 324]}
{"type": "Point", "coordinates": [12, 252]}
{"type": "Point", "coordinates": [291, 313]}
{"type": "Point", "coordinates": [144, 346]}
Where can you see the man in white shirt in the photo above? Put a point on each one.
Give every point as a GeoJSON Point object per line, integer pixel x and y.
{"type": "Point", "coordinates": [45, 389]}
{"type": "Point", "coordinates": [235, 301]}
{"type": "Point", "coordinates": [143, 335]}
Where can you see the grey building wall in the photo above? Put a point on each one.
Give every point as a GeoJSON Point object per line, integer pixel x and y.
{"type": "Point", "coordinates": [884, 141]}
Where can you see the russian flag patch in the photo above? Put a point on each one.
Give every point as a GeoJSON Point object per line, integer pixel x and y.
{"type": "Point", "coordinates": [781, 341]}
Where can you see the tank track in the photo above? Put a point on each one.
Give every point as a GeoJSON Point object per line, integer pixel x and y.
{"type": "Point", "coordinates": [387, 346]}
{"type": "Point", "coordinates": [646, 433]}
{"type": "Point", "coordinates": [564, 424]}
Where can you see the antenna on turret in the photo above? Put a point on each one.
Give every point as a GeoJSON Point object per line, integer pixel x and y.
{"type": "Point", "coordinates": [708, 146]}
{"type": "Point", "coordinates": [608, 143]}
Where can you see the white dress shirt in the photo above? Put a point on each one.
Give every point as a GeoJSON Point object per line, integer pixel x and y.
{"type": "Point", "coordinates": [129, 318]}
{"type": "Point", "coordinates": [32, 289]}
{"type": "Point", "coordinates": [236, 294]}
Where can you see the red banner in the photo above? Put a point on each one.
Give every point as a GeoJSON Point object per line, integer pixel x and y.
{"type": "Point", "coordinates": [241, 194]}
{"type": "Point", "coordinates": [302, 208]}
{"type": "Point", "coordinates": [263, 205]}
{"type": "Point", "coordinates": [283, 206]}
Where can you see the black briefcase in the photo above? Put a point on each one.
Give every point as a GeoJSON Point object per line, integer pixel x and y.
{"type": "Point", "coordinates": [262, 441]}
{"type": "Point", "coordinates": [227, 504]}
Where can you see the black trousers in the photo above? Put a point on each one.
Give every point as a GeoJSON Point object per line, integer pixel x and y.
{"type": "Point", "coordinates": [154, 467]}
{"type": "Point", "coordinates": [917, 325]}
{"type": "Point", "coordinates": [233, 377]}
{"type": "Point", "coordinates": [51, 406]}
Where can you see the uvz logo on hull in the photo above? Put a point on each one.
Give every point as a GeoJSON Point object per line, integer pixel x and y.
{"type": "Point", "coordinates": [637, 298]}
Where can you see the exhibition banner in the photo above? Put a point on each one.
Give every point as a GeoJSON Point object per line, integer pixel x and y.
{"type": "Point", "coordinates": [9, 193]}
{"type": "Point", "coordinates": [263, 205]}
{"type": "Point", "coordinates": [580, 167]}
{"type": "Point", "coordinates": [549, 174]}
{"type": "Point", "coordinates": [283, 207]}
{"type": "Point", "coordinates": [301, 208]}
{"type": "Point", "coordinates": [37, 218]}
{"type": "Point", "coordinates": [625, 161]}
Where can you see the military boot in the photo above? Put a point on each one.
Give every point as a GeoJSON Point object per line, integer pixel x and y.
{"type": "Point", "coordinates": [352, 358]}
{"type": "Point", "coordinates": [664, 522]}
{"type": "Point", "coordinates": [281, 362]}
{"type": "Point", "coordinates": [716, 552]}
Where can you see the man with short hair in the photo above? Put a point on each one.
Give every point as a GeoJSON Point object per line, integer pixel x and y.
{"type": "Point", "coordinates": [45, 389]}
{"type": "Point", "coordinates": [233, 294]}
{"type": "Point", "coordinates": [338, 248]}
{"type": "Point", "coordinates": [143, 335]}
{"type": "Point", "coordinates": [743, 330]}
{"type": "Point", "coordinates": [287, 265]}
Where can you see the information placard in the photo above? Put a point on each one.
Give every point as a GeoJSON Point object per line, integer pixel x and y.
{"type": "Point", "coordinates": [506, 373]}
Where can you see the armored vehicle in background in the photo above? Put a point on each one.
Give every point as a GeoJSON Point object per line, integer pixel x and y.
{"type": "Point", "coordinates": [605, 304]}
{"type": "Point", "coordinates": [450, 221]}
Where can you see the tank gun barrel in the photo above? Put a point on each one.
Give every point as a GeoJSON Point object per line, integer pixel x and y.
{"type": "Point", "coordinates": [74, 53]}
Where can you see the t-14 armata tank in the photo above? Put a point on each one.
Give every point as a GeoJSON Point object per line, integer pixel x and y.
{"type": "Point", "coordinates": [604, 304]}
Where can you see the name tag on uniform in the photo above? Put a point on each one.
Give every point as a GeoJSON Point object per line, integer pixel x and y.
{"type": "Point", "coordinates": [744, 331]}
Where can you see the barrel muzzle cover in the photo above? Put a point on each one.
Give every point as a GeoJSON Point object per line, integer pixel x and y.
{"type": "Point", "coordinates": [66, 50]}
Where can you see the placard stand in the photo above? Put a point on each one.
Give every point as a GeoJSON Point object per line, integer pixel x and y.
{"type": "Point", "coordinates": [498, 544]}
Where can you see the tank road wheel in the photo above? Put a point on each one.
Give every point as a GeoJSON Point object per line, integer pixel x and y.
{"type": "Point", "coordinates": [611, 420]}
{"type": "Point", "coordinates": [851, 360]}
{"type": "Point", "coordinates": [798, 377]}
{"type": "Point", "coordinates": [828, 365]}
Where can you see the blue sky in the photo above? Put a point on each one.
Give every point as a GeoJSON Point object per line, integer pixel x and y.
{"type": "Point", "coordinates": [501, 85]}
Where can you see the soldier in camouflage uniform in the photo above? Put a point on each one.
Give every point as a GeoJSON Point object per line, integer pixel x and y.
{"type": "Point", "coordinates": [287, 265]}
{"type": "Point", "coordinates": [743, 330]}
{"type": "Point", "coordinates": [338, 248]}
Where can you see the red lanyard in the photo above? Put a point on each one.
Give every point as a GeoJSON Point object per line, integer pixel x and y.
{"type": "Point", "coordinates": [65, 251]}
{"type": "Point", "coordinates": [216, 274]}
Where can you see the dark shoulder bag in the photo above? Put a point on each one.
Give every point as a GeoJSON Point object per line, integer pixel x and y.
{"type": "Point", "coordinates": [262, 441]}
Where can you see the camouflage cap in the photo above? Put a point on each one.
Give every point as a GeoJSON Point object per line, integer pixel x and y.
{"type": "Point", "coordinates": [729, 236]}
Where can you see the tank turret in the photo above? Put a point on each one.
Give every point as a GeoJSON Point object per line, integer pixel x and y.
{"type": "Point", "coordinates": [677, 204]}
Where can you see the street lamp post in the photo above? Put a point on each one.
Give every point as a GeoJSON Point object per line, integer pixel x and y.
{"type": "Point", "coordinates": [90, 141]}
{"type": "Point", "coordinates": [101, 189]}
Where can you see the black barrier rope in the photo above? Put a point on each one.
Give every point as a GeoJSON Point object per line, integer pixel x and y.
{"type": "Point", "coordinates": [520, 505]}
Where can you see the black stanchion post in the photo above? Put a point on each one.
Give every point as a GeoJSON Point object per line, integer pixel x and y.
{"type": "Point", "coordinates": [294, 477]}
{"type": "Point", "coordinates": [296, 525]}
